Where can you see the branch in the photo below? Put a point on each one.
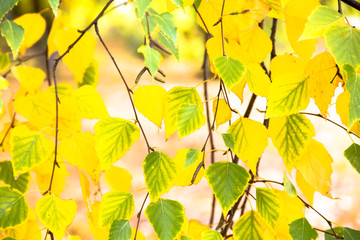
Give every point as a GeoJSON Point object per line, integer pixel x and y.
{"type": "Point", "coordinates": [222, 28]}
{"type": "Point", "coordinates": [352, 3]}
{"type": "Point", "coordinates": [8, 130]}
{"type": "Point", "coordinates": [138, 216]}
{"type": "Point", "coordinates": [208, 34]}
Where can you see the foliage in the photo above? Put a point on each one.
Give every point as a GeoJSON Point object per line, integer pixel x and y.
{"type": "Point", "coordinates": [42, 125]}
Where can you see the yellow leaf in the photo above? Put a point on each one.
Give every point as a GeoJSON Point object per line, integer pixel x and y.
{"type": "Point", "coordinates": [323, 79]}
{"type": "Point", "coordinates": [4, 84]}
{"type": "Point", "coordinates": [112, 176]}
{"type": "Point", "coordinates": [305, 187]}
{"type": "Point", "coordinates": [85, 188]}
{"type": "Point", "coordinates": [277, 9]}
{"type": "Point", "coordinates": [81, 55]}
{"type": "Point", "coordinates": [238, 89]}
{"type": "Point", "coordinates": [93, 219]}
{"type": "Point", "coordinates": [150, 101]}
{"type": "Point", "coordinates": [34, 25]}
{"type": "Point", "coordinates": [342, 109]}
{"type": "Point", "coordinates": [196, 228]}
{"type": "Point", "coordinates": [250, 140]}
{"type": "Point", "coordinates": [59, 23]}
{"type": "Point", "coordinates": [139, 235]}
{"type": "Point", "coordinates": [296, 13]}
{"type": "Point", "coordinates": [187, 160]}
{"type": "Point", "coordinates": [79, 150]}
{"type": "Point", "coordinates": [73, 237]}
{"type": "Point", "coordinates": [30, 78]}
{"type": "Point", "coordinates": [257, 79]}
{"type": "Point", "coordinates": [292, 208]}
{"type": "Point", "coordinates": [315, 166]}
{"type": "Point", "coordinates": [222, 111]}
{"type": "Point", "coordinates": [89, 103]}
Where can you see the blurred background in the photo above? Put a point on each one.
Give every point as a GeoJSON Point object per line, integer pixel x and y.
{"type": "Point", "coordinates": [123, 34]}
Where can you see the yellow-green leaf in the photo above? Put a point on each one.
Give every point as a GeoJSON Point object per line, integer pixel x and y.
{"type": "Point", "coordinates": [21, 182]}
{"type": "Point", "coordinates": [230, 70]}
{"type": "Point", "coordinates": [228, 182]}
{"type": "Point", "coordinates": [353, 86]}
{"type": "Point", "coordinates": [30, 78]}
{"type": "Point", "coordinates": [187, 160]}
{"type": "Point", "coordinates": [301, 229]}
{"type": "Point", "coordinates": [4, 61]}
{"type": "Point", "coordinates": [288, 186]}
{"type": "Point", "coordinates": [257, 80]}
{"type": "Point", "coordinates": [28, 149]}
{"type": "Point", "coordinates": [352, 154]}
{"type": "Point", "coordinates": [91, 75]}
{"type": "Point", "coordinates": [13, 207]}
{"type": "Point", "coordinates": [291, 135]}
{"type": "Point", "coordinates": [211, 235]}
{"type": "Point", "coordinates": [250, 226]}
{"type": "Point", "coordinates": [55, 213]}
{"type": "Point", "coordinates": [152, 58]}
{"type": "Point", "coordinates": [89, 102]}
{"type": "Point", "coordinates": [114, 206]}
{"type": "Point", "coordinates": [14, 35]}
{"type": "Point", "coordinates": [54, 6]}
{"type": "Point", "coordinates": [191, 117]}
{"type": "Point", "coordinates": [6, 6]}
{"type": "Point", "coordinates": [222, 111]}
{"type": "Point", "coordinates": [120, 230]}
{"type": "Point", "coordinates": [268, 205]}
{"type": "Point", "coordinates": [114, 137]}
{"type": "Point", "coordinates": [150, 101]}
{"type": "Point", "coordinates": [250, 140]}
{"type": "Point", "coordinates": [159, 172]}
{"type": "Point", "coordinates": [167, 218]}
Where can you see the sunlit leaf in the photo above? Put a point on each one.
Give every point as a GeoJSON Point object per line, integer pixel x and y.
{"type": "Point", "coordinates": [54, 5]}
{"type": "Point", "coordinates": [268, 205]}
{"type": "Point", "coordinates": [250, 140]}
{"type": "Point", "coordinates": [89, 103]}
{"type": "Point", "coordinates": [301, 230]}
{"type": "Point", "coordinates": [4, 61]}
{"type": "Point", "coordinates": [191, 117]}
{"type": "Point", "coordinates": [257, 80]}
{"type": "Point", "coordinates": [288, 186]}
{"type": "Point", "coordinates": [228, 182]}
{"type": "Point", "coordinates": [211, 235]}
{"type": "Point", "coordinates": [55, 213]}
{"type": "Point", "coordinates": [93, 220]}
{"type": "Point", "coordinates": [230, 70]}
{"type": "Point", "coordinates": [142, 6]}
{"type": "Point", "coordinates": [114, 137]}
{"type": "Point", "coordinates": [91, 75]}
{"type": "Point", "coordinates": [85, 188]}
{"type": "Point", "coordinates": [30, 78]}
{"type": "Point", "coordinates": [159, 172]}
{"type": "Point", "coordinates": [195, 229]}
{"type": "Point", "coordinates": [228, 140]}
{"type": "Point", "coordinates": [167, 218]}
{"type": "Point", "coordinates": [305, 187]}
{"type": "Point", "coordinates": [277, 9]}
{"type": "Point", "coordinates": [343, 41]}
{"type": "Point", "coordinates": [34, 26]}
{"type": "Point", "coordinates": [353, 86]}
{"type": "Point", "coordinates": [169, 44]}
{"type": "Point", "coordinates": [320, 18]}
{"type": "Point", "coordinates": [22, 181]}
{"type": "Point", "coordinates": [120, 230]}
{"type": "Point", "coordinates": [250, 226]}
{"type": "Point", "coordinates": [152, 58]}
{"type": "Point", "coordinates": [352, 154]}
{"type": "Point", "coordinates": [112, 176]}
{"type": "Point", "coordinates": [167, 25]}
{"type": "Point", "coordinates": [291, 135]}
{"type": "Point", "coordinates": [222, 111]}
{"type": "Point", "coordinates": [14, 35]}
{"type": "Point", "coordinates": [6, 6]}
{"type": "Point", "coordinates": [150, 101]}
{"type": "Point", "coordinates": [187, 161]}
{"type": "Point", "coordinates": [291, 208]}
{"type": "Point", "coordinates": [114, 206]}
{"type": "Point", "coordinates": [13, 207]}
{"type": "Point", "coordinates": [28, 149]}
{"type": "Point", "coordinates": [139, 235]}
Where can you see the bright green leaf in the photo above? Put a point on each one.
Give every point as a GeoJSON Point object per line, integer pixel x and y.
{"type": "Point", "coordinates": [167, 25]}
{"type": "Point", "coordinates": [28, 149]}
{"type": "Point", "coordinates": [152, 58]}
{"type": "Point", "coordinates": [301, 229]}
{"type": "Point", "coordinates": [91, 75]}
{"type": "Point", "coordinates": [228, 140]}
{"type": "Point", "coordinates": [250, 226]}
{"type": "Point", "coordinates": [343, 42]}
{"type": "Point", "coordinates": [352, 154]}
{"type": "Point", "coordinates": [89, 103]}
{"type": "Point", "coordinates": [120, 230]}
{"type": "Point", "coordinates": [228, 182]}
{"type": "Point", "coordinates": [191, 117]}
{"type": "Point", "coordinates": [4, 61]}
{"type": "Point", "coordinates": [338, 230]}
{"type": "Point", "coordinates": [268, 205]}
{"type": "Point", "coordinates": [288, 186]}
{"type": "Point", "coordinates": [169, 44]}
{"type": "Point", "coordinates": [291, 135]}
{"type": "Point", "coordinates": [230, 70]}
{"type": "Point", "coordinates": [54, 4]}
{"type": "Point", "coordinates": [353, 86]}
{"type": "Point", "coordinates": [351, 234]}
{"type": "Point", "coordinates": [319, 19]}
{"type": "Point", "coordinates": [21, 183]}
{"type": "Point", "coordinates": [114, 137]}
{"type": "Point", "coordinates": [114, 206]}
{"type": "Point", "coordinates": [13, 207]}
{"type": "Point", "coordinates": [142, 6]}
{"type": "Point", "coordinates": [55, 213]}
{"type": "Point", "coordinates": [6, 5]}
{"type": "Point", "coordinates": [167, 218]}
{"type": "Point", "coordinates": [211, 235]}
{"type": "Point", "coordinates": [14, 35]}
{"type": "Point", "coordinates": [159, 172]}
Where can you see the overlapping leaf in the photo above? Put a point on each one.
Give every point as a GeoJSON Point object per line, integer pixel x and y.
{"type": "Point", "coordinates": [211, 235]}
{"type": "Point", "coordinates": [250, 226]}
{"type": "Point", "coordinates": [301, 229]}
{"type": "Point", "coordinates": [14, 35]}
{"type": "Point", "coordinates": [89, 103]}
{"type": "Point", "coordinates": [6, 6]}
{"type": "Point", "coordinates": [152, 58]}
{"type": "Point", "coordinates": [187, 160]}
{"type": "Point", "coordinates": [228, 181]}
{"type": "Point", "coordinates": [30, 78]}
{"type": "Point", "coordinates": [120, 230]}
{"type": "Point", "coordinates": [230, 70]}
{"type": "Point", "coordinates": [22, 181]}
{"type": "Point", "coordinates": [353, 86]}
{"type": "Point", "coordinates": [288, 186]}
{"type": "Point", "coordinates": [305, 187]}
{"type": "Point", "coordinates": [268, 205]}
{"type": "Point", "coordinates": [222, 111]}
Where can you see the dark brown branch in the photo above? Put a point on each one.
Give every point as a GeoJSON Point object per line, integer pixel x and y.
{"type": "Point", "coordinates": [339, 7]}
{"type": "Point", "coordinates": [334, 235]}
{"type": "Point", "coordinates": [12, 124]}
{"type": "Point", "coordinates": [203, 22]}
{"type": "Point", "coordinates": [138, 216]}
{"type": "Point", "coordinates": [353, 3]}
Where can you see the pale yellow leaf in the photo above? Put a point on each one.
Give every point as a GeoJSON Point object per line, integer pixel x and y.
{"type": "Point", "coordinates": [99, 233]}
{"type": "Point", "coordinates": [118, 179]}
{"type": "Point", "coordinates": [187, 160]}
{"type": "Point", "coordinates": [30, 78]}
{"type": "Point", "coordinates": [222, 111]}
{"type": "Point", "coordinates": [257, 79]}
{"type": "Point", "coordinates": [305, 187]}
{"type": "Point", "coordinates": [89, 103]}
{"type": "Point", "coordinates": [238, 89]}
{"type": "Point", "coordinates": [196, 228]}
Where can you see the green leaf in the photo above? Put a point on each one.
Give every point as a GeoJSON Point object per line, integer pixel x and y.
{"type": "Point", "coordinates": [291, 135]}
{"type": "Point", "coordinates": [301, 229]}
{"type": "Point", "coordinates": [211, 235]}
{"type": "Point", "coordinates": [114, 137]}
{"type": "Point", "coordinates": [230, 70]}
{"type": "Point", "coordinates": [352, 154]}
{"type": "Point", "coordinates": [141, 7]}
{"type": "Point", "coordinates": [55, 213]}
{"type": "Point", "coordinates": [169, 44]}
{"type": "Point", "coordinates": [191, 117]}
{"type": "Point", "coordinates": [288, 186]}
{"type": "Point", "coordinates": [167, 218]}
{"type": "Point", "coordinates": [28, 149]}
{"type": "Point", "coordinates": [338, 230]}
{"type": "Point", "coordinates": [351, 234]}
{"type": "Point", "coordinates": [5, 6]}
{"type": "Point", "coordinates": [91, 75]}
{"type": "Point", "coordinates": [250, 226]}
{"type": "Point", "coordinates": [13, 207]}
{"type": "Point", "coordinates": [114, 206]}
{"type": "Point", "coordinates": [268, 205]}
{"type": "Point", "coordinates": [4, 61]}
{"type": "Point", "coordinates": [192, 156]}
{"type": "Point", "coordinates": [176, 97]}
{"type": "Point", "coordinates": [178, 3]}
{"type": "Point", "coordinates": [319, 19]}
{"type": "Point", "coordinates": [54, 4]}
{"type": "Point", "coordinates": [167, 25]}
{"type": "Point", "coordinates": [21, 183]}
{"type": "Point", "coordinates": [14, 35]}
{"type": "Point", "coordinates": [228, 182]}
{"type": "Point", "coordinates": [343, 42]}
{"type": "Point", "coordinates": [228, 140]}
{"type": "Point", "coordinates": [159, 172]}
{"type": "Point", "coordinates": [152, 58]}
{"type": "Point", "coordinates": [353, 86]}
{"type": "Point", "coordinates": [120, 230]}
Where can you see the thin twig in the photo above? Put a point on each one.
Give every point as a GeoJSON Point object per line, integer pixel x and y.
{"type": "Point", "coordinates": [353, 3]}
{"type": "Point", "coordinates": [203, 22]}
{"type": "Point", "coordinates": [8, 130]}
{"type": "Point", "coordinates": [222, 28]}
{"type": "Point", "coordinates": [339, 7]}
{"type": "Point", "coordinates": [139, 215]}
{"type": "Point", "coordinates": [47, 66]}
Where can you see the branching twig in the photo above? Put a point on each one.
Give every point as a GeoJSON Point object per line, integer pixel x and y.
{"type": "Point", "coordinates": [8, 130]}
{"type": "Point", "coordinates": [138, 216]}
{"type": "Point", "coordinates": [208, 34]}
